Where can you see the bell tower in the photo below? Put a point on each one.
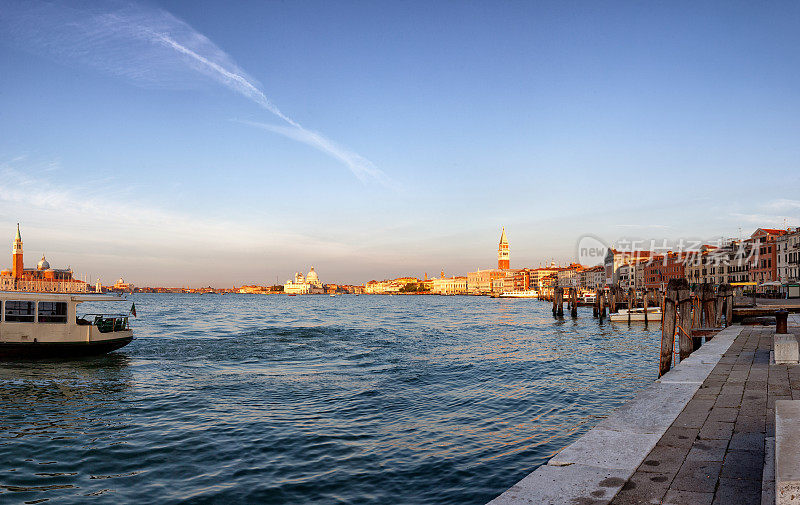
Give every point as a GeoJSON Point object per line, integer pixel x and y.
{"type": "Point", "coordinates": [503, 258]}
{"type": "Point", "coordinates": [16, 256]}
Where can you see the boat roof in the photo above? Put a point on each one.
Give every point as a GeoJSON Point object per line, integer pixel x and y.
{"type": "Point", "coordinates": [75, 297]}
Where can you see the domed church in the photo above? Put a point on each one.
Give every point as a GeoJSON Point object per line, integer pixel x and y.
{"type": "Point", "coordinates": [310, 284]}
{"type": "Point", "coordinates": [41, 278]}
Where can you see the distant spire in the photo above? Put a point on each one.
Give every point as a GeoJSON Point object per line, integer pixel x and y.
{"type": "Point", "coordinates": [18, 237]}
{"type": "Point", "coordinates": [503, 239]}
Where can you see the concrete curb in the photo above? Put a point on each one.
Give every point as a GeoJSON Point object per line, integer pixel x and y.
{"type": "Point", "coordinates": [596, 466]}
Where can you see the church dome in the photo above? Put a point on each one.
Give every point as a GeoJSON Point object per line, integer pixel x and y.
{"type": "Point", "coordinates": [312, 276]}
{"type": "Point", "coordinates": [43, 264]}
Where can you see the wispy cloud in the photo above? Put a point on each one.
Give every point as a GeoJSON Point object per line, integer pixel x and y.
{"type": "Point", "coordinates": [659, 226]}
{"type": "Point", "coordinates": [783, 204]}
{"type": "Point", "coordinates": [111, 221]}
{"type": "Point", "coordinates": [360, 166]}
{"type": "Point", "coordinates": [767, 220]}
{"type": "Point", "coordinates": [151, 47]}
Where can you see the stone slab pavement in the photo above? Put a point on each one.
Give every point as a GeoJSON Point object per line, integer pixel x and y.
{"type": "Point", "coordinates": [594, 468]}
{"type": "Point", "coordinates": [720, 448]}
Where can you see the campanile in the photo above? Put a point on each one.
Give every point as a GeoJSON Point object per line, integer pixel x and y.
{"type": "Point", "coordinates": [16, 256]}
{"type": "Point", "coordinates": [503, 262]}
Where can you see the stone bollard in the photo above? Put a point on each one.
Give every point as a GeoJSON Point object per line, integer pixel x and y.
{"type": "Point", "coordinates": [781, 318]}
{"type": "Point", "coordinates": [786, 350]}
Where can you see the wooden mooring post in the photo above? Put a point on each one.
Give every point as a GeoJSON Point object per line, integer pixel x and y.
{"type": "Point", "coordinates": [725, 293]}
{"type": "Point", "coordinates": [645, 300]}
{"type": "Point", "coordinates": [558, 301]}
{"type": "Point", "coordinates": [708, 302]}
{"type": "Point", "coordinates": [601, 302]}
{"type": "Point", "coordinates": [687, 343]}
{"type": "Point", "coordinates": [676, 313]}
{"type": "Point", "coordinates": [573, 301]}
{"type": "Point", "coordinates": [612, 299]}
{"type": "Point", "coordinates": [631, 302]}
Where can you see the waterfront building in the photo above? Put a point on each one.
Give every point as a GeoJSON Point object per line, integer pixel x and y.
{"type": "Point", "coordinates": [626, 274]}
{"type": "Point", "coordinates": [253, 289]}
{"type": "Point", "coordinates": [638, 280]}
{"type": "Point", "coordinates": [122, 286]}
{"type": "Point", "coordinates": [511, 280]}
{"type": "Point", "coordinates": [592, 278]}
{"type": "Point", "coordinates": [543, 277]}
{"type": "Point", "coordinates": [449, 286]}
{"type": "Point", "coordinates": [631, 273]}
{"type": "Point", "coordinates": [43, 278]}
{"type": "Point", "coordinates": [518, 280]}
{"type": "Point", "coordinates": [614, 259]}
{"type": "Point", "coordinates": [426, 284]}
{"type": "Point", "coordinates": [764, 261]}
{"type": "Point", "coordinates": [788, 255]}
{"type": "Point", "coordinates": [569, 276]}
{"type": "Point", "coordinates": [662, 269]}
{"type": "Point", "coordinates": [304, 285]}
{"type": "Point", "coordinates": [480, 282]}
{"type": "Point", "coordinates": [389, 286]}
{"type": "Point", "coordinates": [697, 266]}
{"type": "Point", "coordinates": [738, 255]}
{"type": "Point", "coordinates": [728, 264]}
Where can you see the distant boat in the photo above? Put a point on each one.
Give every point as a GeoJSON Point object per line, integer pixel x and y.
{"type": "Point", "coordinates": [588, 298]}
{"type": "Point", "coordinates": [530, 293]}
{"type": "Point", "coordinates": [637, 315]}
{"type": "Point", "coordinates": [291, 294]}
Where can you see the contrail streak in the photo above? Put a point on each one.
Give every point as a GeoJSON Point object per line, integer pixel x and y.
{"type": "Point", "coordinates": [236, 81]}
{"type": "Point", "coordinates": [126, 41]}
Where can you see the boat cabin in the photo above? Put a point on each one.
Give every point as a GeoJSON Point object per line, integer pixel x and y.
{"type": "Point", "coordinates": [44, 318]}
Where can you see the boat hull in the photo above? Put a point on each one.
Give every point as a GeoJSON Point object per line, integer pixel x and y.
{"type": "Point", "coordinates": [39, 350]}
{"type": "Point", "coordinates": [519, 294]}
{"type": "Point", "coordinates": [636, 317]}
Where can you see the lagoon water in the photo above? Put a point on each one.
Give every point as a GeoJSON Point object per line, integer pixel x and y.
{"type": "Point", "coordinates": [272, 399]}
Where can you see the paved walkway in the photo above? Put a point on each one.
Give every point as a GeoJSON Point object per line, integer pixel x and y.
{"type": "Point", "coordinates": [715, 450]}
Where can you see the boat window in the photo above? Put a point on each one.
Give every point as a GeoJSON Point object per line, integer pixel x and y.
{"type": "Point", "coordinates": [52, 312]}
{"type": "Point", "coordinates": [19, 311]}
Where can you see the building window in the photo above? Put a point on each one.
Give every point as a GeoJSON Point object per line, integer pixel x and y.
{"type": "Point", "coordinates": [53, 312]}
{"type": "Point", "coordinates": [19, 312]}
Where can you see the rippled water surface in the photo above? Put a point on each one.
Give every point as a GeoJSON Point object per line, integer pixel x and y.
{"type": "Point", "coordinates": [275, 399]}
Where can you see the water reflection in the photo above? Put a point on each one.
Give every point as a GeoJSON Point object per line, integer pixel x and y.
{"type": "Point", "coordinates": [52, 411]}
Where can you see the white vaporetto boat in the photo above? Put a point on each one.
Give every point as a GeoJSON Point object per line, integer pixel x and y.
{"type": "Point", "coordinates": [653, 314]}
{"type": "Point", "coordinates": [531, 293]}
{"type": "Point", "coordinates": [46, 325]}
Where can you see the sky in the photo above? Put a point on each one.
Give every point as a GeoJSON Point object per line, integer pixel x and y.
{"type": "Point", "coordinates": [215, 143]}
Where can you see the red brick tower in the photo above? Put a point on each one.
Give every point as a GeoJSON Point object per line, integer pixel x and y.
{"type": "Point", "coordinates": [16, 256]}
{"type": "Point", "coordinates": [503, 262]}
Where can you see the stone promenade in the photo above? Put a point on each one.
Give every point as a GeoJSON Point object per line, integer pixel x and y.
{"type": "Point", "coordinates": [720, 449]}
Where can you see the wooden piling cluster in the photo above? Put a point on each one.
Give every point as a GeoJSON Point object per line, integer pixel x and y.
{"type": "Point", "coordinates": [600, 303]}
{"type": "Point", "coordinates": [573, 301]}
{"type": "Point", "coordinates": [681, 313]}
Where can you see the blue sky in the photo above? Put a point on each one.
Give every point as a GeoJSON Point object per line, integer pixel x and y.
{"type": "Point", "coordinates": [208, 142]}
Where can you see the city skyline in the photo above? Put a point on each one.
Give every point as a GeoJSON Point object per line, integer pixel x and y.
{"type": "Point", "coordinates": [227, 148]}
